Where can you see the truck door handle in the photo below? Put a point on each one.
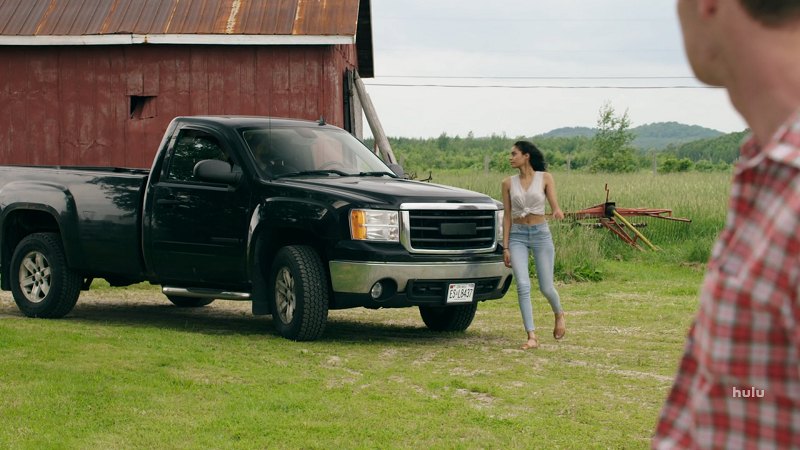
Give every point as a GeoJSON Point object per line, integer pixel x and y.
{"type": "Point", "coordinates": [166, 201]}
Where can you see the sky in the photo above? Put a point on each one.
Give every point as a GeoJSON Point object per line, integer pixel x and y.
{"type": "Point", "coordinates": [525, 67]}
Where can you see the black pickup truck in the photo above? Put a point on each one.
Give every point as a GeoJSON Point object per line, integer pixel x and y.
{"type": "Point", "coordinates": [297, 217]}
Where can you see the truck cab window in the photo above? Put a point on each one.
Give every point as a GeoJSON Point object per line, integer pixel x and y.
{"type": "Point", "coordinates": [329, 154]}
{"type": "Point", "coordinates": [281, 150]}
{"type": "Point", "coordinates": [191, 147]}
{"type": "Point", "coordinates": [274, 153]}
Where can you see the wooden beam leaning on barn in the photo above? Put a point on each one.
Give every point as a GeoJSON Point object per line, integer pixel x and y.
{"type": "Point", "coordinates": [381, 141]}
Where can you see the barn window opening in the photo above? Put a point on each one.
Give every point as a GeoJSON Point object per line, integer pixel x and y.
{"type": "Point", "coordinates": [143, 106]}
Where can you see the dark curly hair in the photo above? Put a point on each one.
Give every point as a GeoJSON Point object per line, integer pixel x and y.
{"type": "Point", "coordinates": [537, 158]}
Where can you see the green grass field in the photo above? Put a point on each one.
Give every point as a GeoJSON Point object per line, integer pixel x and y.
{"type": "Point", "coordinates": [126, 369]}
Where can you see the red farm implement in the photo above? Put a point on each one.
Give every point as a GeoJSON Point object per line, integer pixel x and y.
{"type": "Point", "coordinates": [609, 215]}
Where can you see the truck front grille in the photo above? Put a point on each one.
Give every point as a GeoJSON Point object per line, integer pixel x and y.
{"type": "Point", "coordinates": [450, 230]}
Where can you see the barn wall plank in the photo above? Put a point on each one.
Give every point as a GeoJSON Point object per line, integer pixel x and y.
{"type": "Point", "coordinates": [74, 102]}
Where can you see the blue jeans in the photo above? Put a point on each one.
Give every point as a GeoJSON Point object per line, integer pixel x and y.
{"type": "Point", "coordinates": [539, 241]}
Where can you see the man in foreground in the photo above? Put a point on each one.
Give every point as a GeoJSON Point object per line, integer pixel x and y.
{"type": "Point", "coordinates": [738, 385]}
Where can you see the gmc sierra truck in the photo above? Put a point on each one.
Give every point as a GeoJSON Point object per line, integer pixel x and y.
{"type": "Point", "coordinates": [297, 217]}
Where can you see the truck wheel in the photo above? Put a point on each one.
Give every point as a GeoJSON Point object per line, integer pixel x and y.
{"type": "Point", "coordinates": [41, 282]}
{"type": "Point", "coordinates": [189, 302]}
{"type": "Point", "coordinates": [299, 283]}
{"type": "Point", "coordinates": [448, 318]}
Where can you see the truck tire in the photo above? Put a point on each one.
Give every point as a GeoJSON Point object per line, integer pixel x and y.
{"type": "Point", "coordinates": [448, 318]}
{"type": "Point", "coordinates": [299, 284]}
{"type": "Point", "coordinates": [189, 302]}
{"type": "Point", "coordinates": [41, 282]}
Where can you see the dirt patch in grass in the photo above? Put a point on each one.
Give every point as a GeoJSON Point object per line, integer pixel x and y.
{"type": "Point", "coordinates": [616, 371]}
{"type": "Point", "coordinates": [478, 400]}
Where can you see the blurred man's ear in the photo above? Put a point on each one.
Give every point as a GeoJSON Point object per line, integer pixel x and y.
{"type": "Point", "coordinates": [708, 8]}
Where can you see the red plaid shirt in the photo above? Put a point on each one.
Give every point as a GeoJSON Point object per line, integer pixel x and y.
{"type": "Point", "coordinates": [738, 385]}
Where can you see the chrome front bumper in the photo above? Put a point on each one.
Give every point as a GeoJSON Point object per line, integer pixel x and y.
{"type": "Point", "coordinates": [358, 277]}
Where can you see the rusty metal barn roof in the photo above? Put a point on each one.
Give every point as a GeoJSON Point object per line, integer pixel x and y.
{"type": "Point", "coordinates": [213, 22]}
{"type": "Point", "coordinates": [250, 17]}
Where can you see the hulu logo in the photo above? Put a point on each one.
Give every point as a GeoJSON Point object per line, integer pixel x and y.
{"type": "Point", "coordinates": [748, 393]}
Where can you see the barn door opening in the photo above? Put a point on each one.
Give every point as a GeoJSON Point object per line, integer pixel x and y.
{"type": "Point", "coordinates": [353, 112]}
{"type": "Point", "coordinates": [348, 101]}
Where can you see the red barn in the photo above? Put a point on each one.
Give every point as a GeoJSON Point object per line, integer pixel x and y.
{"type": "Point", "coordinates": [95, 82]}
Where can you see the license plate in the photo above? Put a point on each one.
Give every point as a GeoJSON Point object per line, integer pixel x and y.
{"type": "Point", "coordinates": [460, 292]}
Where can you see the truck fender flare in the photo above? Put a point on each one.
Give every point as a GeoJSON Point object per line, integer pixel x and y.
{"type": "Point", "coordinates": [314, 219]}
{"type": "Point", "coordinates": [52, 199]}
{"type": "Point", "coordinates": [277, 222]}
{"type": "Point", "coordinates": [296, 214]}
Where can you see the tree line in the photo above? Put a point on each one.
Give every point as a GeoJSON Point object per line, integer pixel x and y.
{"type": "Point", "coordinates": [609, 149]}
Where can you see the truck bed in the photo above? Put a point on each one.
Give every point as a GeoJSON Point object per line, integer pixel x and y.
{"type": "Point", "coordinates": [97, 210]}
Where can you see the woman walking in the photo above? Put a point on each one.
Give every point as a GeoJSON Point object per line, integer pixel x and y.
{"type": "Point", "coordinates": [525, 229]}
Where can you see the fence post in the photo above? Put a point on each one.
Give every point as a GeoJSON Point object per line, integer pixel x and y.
{"type": "Point", "coordinates": [655, 163]}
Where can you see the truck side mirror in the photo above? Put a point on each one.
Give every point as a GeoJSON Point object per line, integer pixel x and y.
{"type": "Point", "coordinates": [397, 169]}
{"type": "Point", "coordinates": [216, 171]}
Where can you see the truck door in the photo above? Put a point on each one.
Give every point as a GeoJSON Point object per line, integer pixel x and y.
{"type": "Point", "coordinates": [197, 230]}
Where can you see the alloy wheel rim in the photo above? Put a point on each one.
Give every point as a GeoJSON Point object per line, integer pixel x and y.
{"type": "Point", "coordinates": [35, 277]}
{"type": "Point", "coordinates": [285, 295]}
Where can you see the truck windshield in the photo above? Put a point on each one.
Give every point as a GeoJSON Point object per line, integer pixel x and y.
{"type": "Point", "coordinates": [298, 151]}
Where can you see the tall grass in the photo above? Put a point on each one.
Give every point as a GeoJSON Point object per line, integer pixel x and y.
{"type": "Point", "coordinates": [581, 250]}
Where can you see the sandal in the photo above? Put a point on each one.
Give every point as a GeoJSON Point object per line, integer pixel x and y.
{"type": "Point", "coordinates": [532, 343]}
{"type": "Point", "coordinates": [560, 328]}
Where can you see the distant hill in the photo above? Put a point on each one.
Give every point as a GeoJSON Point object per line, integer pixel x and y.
{"type": "Point", "coordinates": [723, 148]}
{"type": "Point", "coordinates": [570, 132]}
{"type": "Point", "coordinates": [660, 135]}
{"type": "Point", "coordinates": [650, 136]}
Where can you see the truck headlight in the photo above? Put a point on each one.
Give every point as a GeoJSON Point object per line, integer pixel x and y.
{"type": "Point", "coordinates": [374, 225]}
{"type": "Point", "coordinates": [499, 221]}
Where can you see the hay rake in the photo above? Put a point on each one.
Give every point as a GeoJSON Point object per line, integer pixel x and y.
{"type": "Point", "coordinates": [613, 218]}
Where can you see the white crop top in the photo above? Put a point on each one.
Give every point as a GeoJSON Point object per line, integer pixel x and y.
{"type": "Point", "coordinates": [527, 202]}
